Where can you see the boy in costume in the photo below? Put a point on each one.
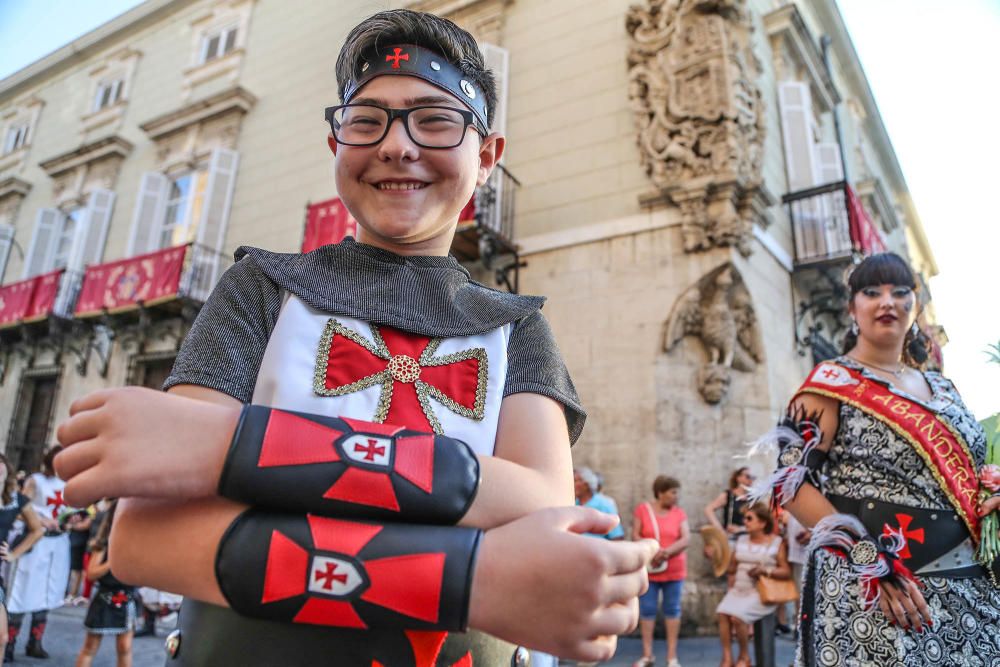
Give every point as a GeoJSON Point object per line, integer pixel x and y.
{"type": "Point", "coordinates": [371, 439]}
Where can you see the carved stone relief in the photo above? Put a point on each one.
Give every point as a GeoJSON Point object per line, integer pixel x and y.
{"type": "Point", "coordinates": [718, 310]}
{"type": "Point", "coordinates": [699, 116]}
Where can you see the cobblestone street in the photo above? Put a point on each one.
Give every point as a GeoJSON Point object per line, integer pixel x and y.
{"type": "Point", "coordinates": [64, 637]}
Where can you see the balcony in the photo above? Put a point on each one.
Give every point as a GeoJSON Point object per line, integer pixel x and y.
{"type": "Point", "coordinates": [485, 230]}
{"type": "Point", "coordinates": [27, 304]}
{"type": "Point", "coordinates": [167, 281]}
{"type": "Point", "coordinates": [830, 226]}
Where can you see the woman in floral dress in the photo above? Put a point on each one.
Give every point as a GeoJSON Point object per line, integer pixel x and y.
{"type": "Point", "coordinates": [881, 459]}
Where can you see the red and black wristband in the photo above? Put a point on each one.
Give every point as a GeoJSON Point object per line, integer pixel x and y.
{"type": "Point", "coordinates": [347, 468]}
{"type": "Point", "coordinates": [347, 574]}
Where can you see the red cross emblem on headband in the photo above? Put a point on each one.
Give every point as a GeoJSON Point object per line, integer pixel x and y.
{"type": "Point", "coordinates": [408, 371]}
{"type": "Point", "coordinates": [333, 577]}
{"type": "Point", "coordinates": [369, 453]}
{"type": "Point", "coordinates": [397, 55]}
{"type": "Point", "coordinates": [56, 501]}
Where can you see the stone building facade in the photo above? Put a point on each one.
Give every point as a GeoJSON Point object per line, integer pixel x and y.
{"type": "Point", "coordinates": [692, 179]}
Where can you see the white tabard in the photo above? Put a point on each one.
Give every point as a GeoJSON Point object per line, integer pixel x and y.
{"type": "Point", "coordinates": [41, 575]}
{"type": "Point", "coordinates": [289, 368]}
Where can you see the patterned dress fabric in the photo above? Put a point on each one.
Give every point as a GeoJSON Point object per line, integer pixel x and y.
{"type": "Point", "coordinates": [870, 461]}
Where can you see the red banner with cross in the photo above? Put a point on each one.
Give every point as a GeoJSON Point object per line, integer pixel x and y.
{"type": "Point", "coordinates": [125, 284]}
{"type": "Point", "coordinates": [327, 222]}
{"type": "Point", "coordinates": [28, 300]}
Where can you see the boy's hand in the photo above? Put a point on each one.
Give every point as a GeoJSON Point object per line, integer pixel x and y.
{"type": "Point", "coordinates": [140, 442]}
{"type": "Point", "coordinates": [540, 584]}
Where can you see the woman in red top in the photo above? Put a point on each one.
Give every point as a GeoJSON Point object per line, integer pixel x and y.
{"type": "Point", "coordinates": [665, 522]}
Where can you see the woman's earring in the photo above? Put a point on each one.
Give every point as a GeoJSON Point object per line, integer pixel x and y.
{"type": "Point", "coordinates": [854, 328]}
{"type": "Point", "coordinates": [914, 329]}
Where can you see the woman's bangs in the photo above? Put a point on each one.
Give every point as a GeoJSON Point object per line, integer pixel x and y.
{"type": "Point", "coordinates": [882, 269]}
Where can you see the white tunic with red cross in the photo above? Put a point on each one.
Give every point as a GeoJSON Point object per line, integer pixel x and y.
{"type": "Point", "coordinates": [48, 500]}
{"type": "Point", "coordinates": [343, 367]}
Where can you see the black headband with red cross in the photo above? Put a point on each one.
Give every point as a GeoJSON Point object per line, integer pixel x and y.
{"type": "Point", "coordinates": [413, 60]}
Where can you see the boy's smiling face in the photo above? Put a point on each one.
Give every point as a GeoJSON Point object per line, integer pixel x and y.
{"type": "Point", "coordinates": [406, 198]}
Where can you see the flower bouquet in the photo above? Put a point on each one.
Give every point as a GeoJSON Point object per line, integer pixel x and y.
{"type": "Point", "coordinates": [989, 484]}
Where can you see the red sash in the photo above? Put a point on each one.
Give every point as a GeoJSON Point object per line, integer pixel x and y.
{"type": "Point", "coordinates": [934, 439]}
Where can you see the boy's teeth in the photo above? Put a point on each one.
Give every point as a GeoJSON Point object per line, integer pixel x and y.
{"type": "Point", "coordinates": [400, 186]}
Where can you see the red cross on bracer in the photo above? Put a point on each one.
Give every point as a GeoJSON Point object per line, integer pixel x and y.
{"type": "Point", "coordinates": [119, 598]}
{"type": "Point", "coordinates": [904, 528]}
{"type": "Point", "coordinates": [371, 450]}
{"type": "Point", "coordinates": [410, 374]}
{"type": "Point", "coordinates": [56, 501]}
{"type": "Point", "coordinates": [330, 576]}
{"type": "Point", "coordinates": [397, 55]}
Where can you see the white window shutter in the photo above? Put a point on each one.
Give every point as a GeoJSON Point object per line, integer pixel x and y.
{"type": "Point", "coordinates": [797, 121]}
{"type": "Point", "coordinates": [88, 246]}
{"type": "Point", "coordinates": [6, 241]}
{"type": "Point", "coordinates": [150, 210]}
{"type": "Point", "coordinates": [498, 61]}
{"type": "Point", "coordinates": [48, 223]}
{"type": "Point", "coordinates": [831, 169]}
{"type": "Point", "coordinates": [215, 211]}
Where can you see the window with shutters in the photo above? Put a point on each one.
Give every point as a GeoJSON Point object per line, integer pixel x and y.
{"type": "Point", "coordinates": [108, 93]}
{"type": "Point", "coordinates": [219, 40]}
{"type": "Point", "coordinates": [218, 43]}
{"type": "Point", "coordinates": [189, 206]}
{"type": "Point", "coordinates": [6, 243]}
{"type": "Point", "coordinates": [70, 238]}
{"type": "Point", "coordinates": [16, 137]}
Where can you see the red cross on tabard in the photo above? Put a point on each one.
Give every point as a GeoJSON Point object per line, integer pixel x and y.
{"type": "Point", "coordinates": [904, 527]}
{"type": "Point", "coordinates": [830, 373]}
{"type": "Point", "coordinates": [119, 598]}
{"type": "Point", "coordinates": [56, 501]}
{"type": "Point", "coordinates": [371, 450]}
{"type": "Point", "coordinates": [408, 381]}
{"type": "Point", "coordinates": [397, 55]}
{"type": "Point", "coordinates": [330, 576]}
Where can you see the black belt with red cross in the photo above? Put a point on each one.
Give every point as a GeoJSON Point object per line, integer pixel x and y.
{"type": "Point", "coordinates": [938, 543]}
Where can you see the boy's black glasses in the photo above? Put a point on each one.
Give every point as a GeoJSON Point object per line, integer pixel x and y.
{"type": "Point", "coordinates": [427, 126]}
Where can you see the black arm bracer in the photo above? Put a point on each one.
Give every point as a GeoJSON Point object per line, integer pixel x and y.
{"type": "Point", "coordinates": [348, 574]}
{"type": "Point", "coordinates": [347, 468]}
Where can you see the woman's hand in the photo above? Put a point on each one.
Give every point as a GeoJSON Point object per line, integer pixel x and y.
{"type": "Point", "coordinates": [5, 552]}
{"type": "Point", "coordinates": [733, 529]}
{"type": "Point", "coordinates": [755, 572]}
{"type": "Point", "coordinates": [990, 504]}
{"type": "Point", "coordinates": [904, 605]}
{"type": "Point", "coordinates": [139, 442]}
{"type": "Point", "coordinates": [572, 595]}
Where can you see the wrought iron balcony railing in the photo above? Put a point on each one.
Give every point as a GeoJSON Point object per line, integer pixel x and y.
{"type": "Point", "coordinates": [830, 224]}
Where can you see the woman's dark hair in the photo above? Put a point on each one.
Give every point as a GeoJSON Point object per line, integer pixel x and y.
{"type": "Point", "coordinates": [888, 268]}
{"type": "Point", "coordinates": [104, 530]}
{"type": "Point", "coordinates": [663, 483]}
{"type": "Point", "coordinates": [404, 26]}
{"type": "Point", "coordinates": [10, 482]}
{"type": "Point", "coordinates": [734, 479]}
{"type": "Point", "coordinates": [761, 511]}
{"type": "Point", "coordinates": [48, 467]}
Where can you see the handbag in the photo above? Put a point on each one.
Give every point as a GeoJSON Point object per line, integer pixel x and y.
{"type": "Point", "coordinates": [655, 569]}
{"type": "Point", "coordinates": [776, 591]}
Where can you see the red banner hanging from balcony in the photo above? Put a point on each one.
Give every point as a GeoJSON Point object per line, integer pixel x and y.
{"type": "Point", "coordinates": [28, 300]}
{"type": "Point", "coordinates": [44, 298]}
{"type": "Point", "coordinates": [864, 233]}
{"type": "Point", "coordinates": [119, 286]}
{"type": "Point", "coordinates": [327, 222]}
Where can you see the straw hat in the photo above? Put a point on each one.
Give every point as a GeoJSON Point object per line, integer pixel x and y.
{"type": "Point", "coordinates": [721, 553]}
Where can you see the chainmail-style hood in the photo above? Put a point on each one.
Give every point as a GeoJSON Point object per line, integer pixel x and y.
{"type": "Point", "coordinates": [428, 295]}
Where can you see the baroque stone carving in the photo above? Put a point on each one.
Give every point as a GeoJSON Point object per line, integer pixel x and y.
{"type": "Point", "coordinates": [717, 310]}
{"type": "Point", "coordinates": [699, 116]}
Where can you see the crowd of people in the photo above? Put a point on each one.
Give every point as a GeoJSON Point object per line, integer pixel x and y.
{"type": "Point", "coordinates": [55, 555]}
